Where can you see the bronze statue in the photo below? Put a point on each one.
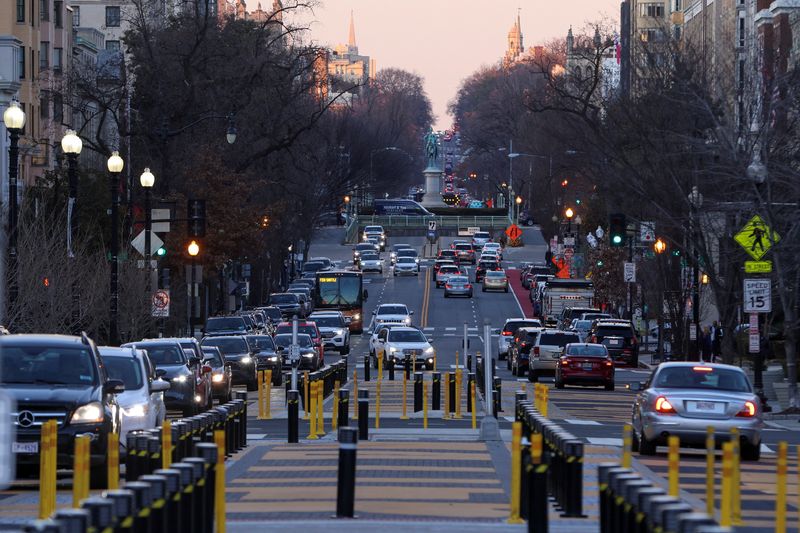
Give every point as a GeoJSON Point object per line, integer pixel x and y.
{"type": "Point", "coordinates": [431, 147]}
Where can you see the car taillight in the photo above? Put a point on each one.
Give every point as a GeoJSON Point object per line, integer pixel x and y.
{"type": "Point", "coordinates": [609, 362]}
{"type": "Point", "coordinates": [448, 286]}
{"type": "Point", "coordinates": [564, 361]}
{"type": "Point", "coordinates": [506, 333]}
{"type": "Point", "coordinates": [536, 351]}
{"type": "Point", "coordinates": [749, 410]}
{"type": "Point", "coordinates": [468, 286]}
{"type": "Point", "coordinates": [663, 405]}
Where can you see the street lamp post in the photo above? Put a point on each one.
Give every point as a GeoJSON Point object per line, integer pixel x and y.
{"type": "Point", "coordinates": [72, 145]}
{"type": "Point", "coordinates": [291, 263]}
{"type": "Point", "coordinates": [696, 202]}
{"type": "Point", "coordinates": [115, 165]}
{"type": "Point", "coordinates": [14, 119]}
{"type": "Point", "coordinates": [519, 205]}
{"type": "Point", "coordinates": [569, 213]}
{"type": "Point", "coordinates": [147, 180]}
{"type": "Point", "coordinates": [193, 249]}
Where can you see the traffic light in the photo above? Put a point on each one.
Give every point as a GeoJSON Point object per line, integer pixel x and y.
{"type": "Point", "coordinates": [616, 229]}
{"type": "Point", "coordinates": [599, 263]}
{"type": "Point", "coordinates": [660, 246]}
{"type": "Point", "coordinates": [197, 218]}
{"type": "Point", "coordinates": [161, 252]}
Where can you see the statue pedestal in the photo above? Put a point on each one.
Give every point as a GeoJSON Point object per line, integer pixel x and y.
{"type": "Point", "coordinates": [433, 196]}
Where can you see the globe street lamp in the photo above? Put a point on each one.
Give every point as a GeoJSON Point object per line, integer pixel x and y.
{"type": "Point", "coordinates": [14, 119]}
{"type": "Point", "coordinates": [71, 144]}
{"type": "Point", "coordinates": [193, 249]}
{"type": "Point", "coordinates": [147, 180]}
{"type": "Point", "coordinates": [115, 166]}
{"type": "Point", "coordinates": [569, 213]}
{"type": "Point", "coordinates": [230, 135]}
{"type": "Point", "coordinates": [519, 205]}
{"type": "Point", "coordinates": [695, 202]}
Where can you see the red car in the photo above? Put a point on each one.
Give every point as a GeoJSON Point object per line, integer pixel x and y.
{"type": "Point", "coordinates": [585, 364]}
{"type": "Point", "coordinates": [309, 328]}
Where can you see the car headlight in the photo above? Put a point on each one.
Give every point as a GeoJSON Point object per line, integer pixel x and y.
{"type": "Point", "coordinates": [217, 378]}
{"type": "Point", "coordinates": [91, 412]}
{"type": "Point", "coordinates": [408, 320]}
{"type": "Point", "coordinates": [246, 360]}
{"type": "Point", "coordinates": [308, 355]}
{"type": "Point", "coordinates": [180, 379]}
{"type": "Point", "coordinates": [273, 358]}
{"type": "Point", "coordinates": [429, 350]}
{"type": "Point", "coordinates": [139, 409]}
{"type": "Point", "coordinates": [356, 317]}
{"type": "Point", "coordinates": [393, 350]}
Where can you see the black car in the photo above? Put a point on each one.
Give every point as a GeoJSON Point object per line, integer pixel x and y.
{"type": "Point", "coordinates": [221, 375]}
{"type": "Point", "coordinates": [288, 303]}
{"type": "Point", "coordinates": [619, 337]}
{"type": "Point", "coordinates": [226, 325]}
{"type": "Point", "coordinates": [309, 355]}
{"type": "Point", "coordinates": [483, 266]}
{"type": "Point", "coordinates": [61, 378]}
{"type": "Point", "coordinates": [519, 352]}
{"type": "Point", "coordinates": [263, 349]}
{"type": "Point", "coordinates": [238, 354]}
{"type": "Point", "coordinates": [181, 370]}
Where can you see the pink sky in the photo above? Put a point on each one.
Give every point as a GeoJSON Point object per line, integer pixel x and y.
{"type": "Point", "coordinates": [444, 41]}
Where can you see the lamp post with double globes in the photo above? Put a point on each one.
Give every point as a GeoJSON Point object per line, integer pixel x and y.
{"type": "Point", "coordinates": [147, 180]}
{"type": "Point", "coordinates": [14, 119]}
{"type": "Point", "coordinates": [72, 145]}
{"type": "Point", "coordinates": [115, 166]}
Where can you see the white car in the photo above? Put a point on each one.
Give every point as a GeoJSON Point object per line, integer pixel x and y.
{"type": "Point", "coordinates": [406, 265]}
{"type": "Point", "coordinates": [332, 326]}
{"type": "Point", "coordinates": [506, 334]}
{"type": "Point", "coordinates": [377, 233]}
{"type": "Point", "coordinates": [490, 255]}
{"type": "Point", "coordinates": [546, 351]}
{"type": "Point", "coordinates": [403, 343]}
{"type": "Point", "coordinates": [481, 237]}
{"type": "Point", "coordinates": [493, 247]}
{"type": "Point", "coordinates": [391, 314]}
{"type": "Point", "coordinates": [376, 341]}
{"type": "Point", "coordinates": [370, 263]}
{"type": "Point", "coordinates": [142, 403]}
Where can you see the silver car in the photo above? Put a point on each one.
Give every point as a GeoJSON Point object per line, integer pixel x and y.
{"type": "Point", "coordinates": [371, 262]}
{"type": "Point", "coordinates": [685, 398]}
{"type": "Point", "coordinates": [406, 265]}
{"type": "Point", "coordinates": [458, 286]}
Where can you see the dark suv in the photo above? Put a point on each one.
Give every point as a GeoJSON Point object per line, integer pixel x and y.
{"type": "Point", "coordinates": [61, 378]}
{"type": "Point", "coordinates": [226, 325]}
{"type": "Point", "coordinates": [619, 337]}
{"type": "Point", "coordinates": [519, 352]}
{"type": "Point", "coordinates": [240, 355]}
{"type": "Point", "coordinates": [482, 267]}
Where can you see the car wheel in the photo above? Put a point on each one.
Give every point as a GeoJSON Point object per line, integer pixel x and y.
{"type": "Point", "coordinates": [446, 295]}
{"type": "Point", "coordinates": [533, 376]}
{"type": "Point", "coordinates": [506, 289]}
{"type": "Point", "coordinates": [252, 385]}
{"type": "Point", "coordinates": [634, 441]}
{"type": "Point", "coordinates": [610, 386]}
{"type": "Point", "coordinates": [394, 274]}
{"type": "Point", "coordinates": [470, 295]}
{"type": "Point", "coordinates": [646, 447]}
{"type": "Point", "coordinates": [345, 350]}
{"type": "Point", "coordinates": [750, 452]}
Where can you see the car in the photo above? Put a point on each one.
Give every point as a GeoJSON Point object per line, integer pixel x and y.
{"type": "Point", "coordinates": [327, 264]}
{"type": "Point", "coordinates": [260, 321]}
{"type": "Point", "coordinates": [408, 252]}
{"type": "Point", "coordinates": [568, 314]}
{"type": "Point", "coordinates": [403, 344]}
{"type": "Point", "coordinates": [306, 300]}
{"type": "Point", "coordinates": [203, 378]}
{"type": "Point", "coordinates": [221, 375]}
{"type": "Point", "coordinates": [309, 328]}
{"type": "Point", "coordinates": [396, 248]}
{"type": "Point", "coordinates": [62, 378]}
{"type": "Point", "coordinates": [489, 255]}
{"type": "Point", "coordinates": [334, 330]}
{"type": "Point", "coordinates": [594, 316]}
{"type": "Point", "coordinates": [273, 316]}
{"type": "Point", "coordinates": [452, 255]}
{"type": "Point", "coordinates": [406, 265]}
{"type": "Point", "coordinates": [520, 348]}
{"type": "Point", "coordinates": [288, 302]}
{"type": "Point", "coordinates": [685, 398]}
{"type": "Point", "coordinates": [495, 280]}
{"type": "Point", "coordinates": [309, 354]}
{"type": "Point", "coordinates": [619, 336]}
{"type": "Point", "coordinates": [585, 364]}
{"type": "Point", "coordinates": [360, 248]}
{"type": "Point", "coordinates": [531, 271]}
{"type": "Point", "coordinates": [239, 356]}
{"type": "Point", "coordinates": [456, 242]}
{"type": "Point", "coordinates": [493, 247]}
{"type": "Point", "coordinates": [377, 233]}
{"type": "Point", "coordinates": [262, 348]}
{"type": "Point", "coordinates": [303, 282]}
{"type": "Point", "coordinates": [581, 327]}
{"type": "Point", "coordinates": [370, 262]}
{"type": "Point", "coordinates": [376, 343]}
{"type": "Point", "coordinates": [225, 325]}
{"type": "Point", "coordinates": [475, 204]}
{"type": "Point", "coordinates": [506, 334]}
{"type": "Point", "coordinates": [312, 267]}
{"type": "Point", "coordinates": [481, 237]}
{"type": "Point", "coordinates": [465, 254]}
{"type": "Point", "coordinates": [391, 314]}
{"type": "Point", "coordinates": [437, 264]}
{"type": "Point", "coordinates": [458, 286]}
{"type": "Point", "coordinates": [546, 351]}
{"type": "Point", "coordinates": [444, 273]}
{"type": "Point", "coordinates": [249, 323]}
{"type": "Point", "coordinates": [483, 267]}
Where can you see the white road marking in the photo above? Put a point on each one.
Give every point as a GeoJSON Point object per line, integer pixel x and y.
{"type": "Point", "coordinates": [576, 422]}
{"type": "Point", "coordinates": [256, 436]}
{"type": "Point", "coordinates": [450, 329]}
{"type": "Point", "coordinates": [602, 441]}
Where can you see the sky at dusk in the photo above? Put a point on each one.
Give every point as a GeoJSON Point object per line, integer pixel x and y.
{"type": "Point", "coordinates": [444, 41]}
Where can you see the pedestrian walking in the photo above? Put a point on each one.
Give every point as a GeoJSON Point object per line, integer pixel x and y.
{"type": "Point", "coordinates": [716, 341]}
{"type": "Point", "coordinates": [705, 344]}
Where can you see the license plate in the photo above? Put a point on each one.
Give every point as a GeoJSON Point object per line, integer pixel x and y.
{"type": "Point", "coordinates": [615, 342]}
{"type": "Point", "coordinates": [25, 447]}
{"type": "Point", "coordinates": [587, 366]}
{"type": "Point", "coordinates": [705, 407]}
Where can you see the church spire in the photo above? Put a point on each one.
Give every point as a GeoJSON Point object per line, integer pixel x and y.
{"type": "Point", "coordinates": [351, 39]}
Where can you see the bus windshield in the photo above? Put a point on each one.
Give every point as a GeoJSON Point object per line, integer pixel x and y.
{"type": "Point", "coordinates": [338, 291]}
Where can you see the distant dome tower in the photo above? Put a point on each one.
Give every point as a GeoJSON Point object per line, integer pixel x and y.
{"type": "Point", "coordinates": [515, 45]}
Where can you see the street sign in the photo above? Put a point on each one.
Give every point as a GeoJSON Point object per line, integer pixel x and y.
{"type": "Point", "coordinates": [472, 230]}
{"type": "Point", "coordinates": [757, 267]}
{"type": "Point", "coordinates": [294, 352]}
{"type": "Point", "coordinates": [569, 241]}
{"type": "Point", "coordinates": [754, 346]}
{"type": "Point", "coordinates": [513, 232]}
{"type": "Point", "coordinates": [757, 296]}
{"type": "Point", "coordinates": [568, 253]}
{"type": "Point", "coordinates": [692, 332]}
{"type": "Point", "coordinates": [161, 303]}
{"type": "Point", "coordinates": [756, 238]}
{"type": "Point", "coordinates": [630, 272]}
{"type": "Point", "coordinates": [647, 231]}
{"type": "Point", "coordinates": [431, 225]}
{"type": "Point", "coordinates": [138, 243]}
{"type": "Point", "coordinates": [160, 214]}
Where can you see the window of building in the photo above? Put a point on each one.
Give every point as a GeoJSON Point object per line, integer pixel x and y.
{"type": "Point", "coordinates": [44, 9]}
{"type": "Point", "coordinates": [740, 30]}
{"type": "Point", "coordinates": [58, 59]}
{"type": "Point", "coordinates": [112, 16]}
{"type": "Point", "coordinates": [58, 13]}
{"type": "Point", "coordinates": [20, 10]}
{"type": "Point", "coordinates": [44, 105]}
{"type": "Point", "coordinates": [76, 16]}
{"type": "Point", "coordinates": [649, 35]}
{"type": "Point", "coordinates": [58, 107]}
{"type": "Point", "coordinates": [22, 62]}
{"type": "Point", "coordinates": [112, 45]}
{"type": "Point", "coordinates": [44, 55]}
{"type": "Point", "coordinates": [652, 10]}
{"type": "Point", "coordinates": [33, 64]}
{"type": "Point", "coordinates": [677, 5]}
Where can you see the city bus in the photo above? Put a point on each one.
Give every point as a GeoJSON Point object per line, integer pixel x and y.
{"type": "Point", "coordinates": [341, 291]}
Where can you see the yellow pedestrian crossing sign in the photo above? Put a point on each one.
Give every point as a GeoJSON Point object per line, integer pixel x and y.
{"type": "Point", "coordinates": [756, 238]}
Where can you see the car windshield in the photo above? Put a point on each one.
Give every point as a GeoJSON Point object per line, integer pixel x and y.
{"type": "Point", "coordinates": [491, 246]}
{"type": "Point", "coordinates": [228, 345]}
{"type": "Point", "coordinates": [464, 247]}
{"type": "Point", "coordinates": [557, 339]}
{"type": "Point", "coordinates": [324, 261]}
{"type": "Point", "coordinates": [364, 246]}
{"type": "Point", "coordinates": [392, 310]}
{"type": "Point", "coordinates": [327, 321]}
{"type": "Point", "coordinates": [701, 377]}
{"type": "Point", "coordinates": [458, 279]}
{"type": "Point", "coordinates": [164, 354]}
{"type": "Point", "coordinates": [488, 264]}
{"type": "Point", "coordinates": [284, 340]}
{"type": "Point", "coordinates": [496, 274]}
{"type": "Point", "coordinates": [583, 325]}
{"type": "Point", "coordinates": [369, 257]}
{"type": "Point", "coordinates": [212, 356]}
{"type": "Point", "coordinates": [126, 369]}
{"type": "Point", "coordinates": [480, 235]}
{"type": "Point", "coordinates": [283, 298]}
{"type": "Point", "coordinates": [448, 269]}
{"type": "Point", "coordinates": [405, 260]}
{"type": "Point", "coordinates": [406, 336]}
{"type": "Point", "coordinates": [373, 229]}
{"type": "Point", "coordinates": [260, 342]}
{"type": "Point", "coordinates": [46, 365]}
{"type": "Point", "coordinates": [273, 313]}
{"type": "Point", "coordinates": [512, 327]}
{"type": "Point", "coordinates": [307, 329]}
{"type": "Point", "coordinates": [220, 324]}
{"type": "Point", "coordinates": [312, 266]}
{"type": "Point", "coordinates": [447, 253]}
{"type": "Point", "coordinates": [587, 350]}
{"type": "Point", "coordinates": [407, 253]}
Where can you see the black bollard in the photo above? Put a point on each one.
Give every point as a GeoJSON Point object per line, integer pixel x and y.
{"type": "Point", "coordinates": [142, 495]}
{"type": "Point", "coordinates": [498, 395]}
{"type": "Point", "coordinates": [407, 368]}
{"type": "Point", "coordinates": [173, 497]}
{"type": "Point", "coordinates": [75, 520]}
{"type": "Point", "coordinates": [131, 457]}
{"type": "Point", "coordinates": [189, 516]}
{"type": "Point", "coordinates": [158, 506]}
{"type": "Point", "coordinates": [344, 408]}
{"type": "Point", "coordinates": [363, 415]}
{"type": "Point", "coordinates": [573, 474]}
{"type": "Point", "coordinates": [451, 390]}
{"type": "Point", "coordinates": [292, 419]}
{"type": "Point", "coordinates": [124, 507]}
{"type": "Point", "coordinates": [200, 475]}
{"type": "Point", "coordinates": [101, 512]}
{"type": "Point", "coordinates": [537, 498]}
{"type": "Point", "coordinates": [366, 367]}
{"type": "Point", "coordinates": [241, 395]}
{"type": "Point", "coordinates": [417, 392]}
{"type": "Point", "coordinates": [208, 452]}
{"type": "Point", "coordinates": [470, 381]}
{"type": "Point", "coordinates": [469, 362]}
{"type": "Point", "coordinates": [142, 460]}
{"type": "Point", "coordinates": [390, 364]}
{"type": "Point", "coordinates": [436, 392]}
{"type": "Point", "coordinates": [346, 482]}
{"type": "Point", "coordinates": [154, 454]}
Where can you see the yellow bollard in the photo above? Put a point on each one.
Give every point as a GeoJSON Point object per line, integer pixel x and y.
{"type": "Point", "coordinates": [166, 439]}
{"type": "Point", "coordinates": [780, 500]}
{"type": "Point", "coordinates": [268, 394]}
{"type": "Point", "coordinates": [335, 414]}
{"type": "Point", "coordinates": [312, 428]}
{"type": "Point", "coordinates": [260, 380]}
{"type": "Point", "coordinates": [404, 416]}
{"type": "Point", "coordinates": [378, 405]}
{"type": "Point", "coordinates": [434, 360]}
{"type": "Point", "coordinates": [673, 463]}
{"type": "Point", "coordinates": [537, 396]}
{"type": "Point", "coordinates": [306, 398]}
{"type": "Point", "coordinates": [113, 461]}
{"type": "Point", "coordinates": [627, 441]}
{"type": "Point", "coordinates": [516, 474]}
{"type": "Point", "coordinates": [355, 395]}
{"type": "Point", "coordinates": [710, 451]}
{"type": "Point", "coordinates": [80, 471]}
{"type": "Point", "coordinates": [424, 405]}
{"type": "Point", "coordinates": [474, 408]}
{"type": "Point", "coordinates": [798, 481]}
{"type": "Point", "coordinates": [446, 413]}
{"type": "Point", "coordinates": [725, 510]}
{"type": "Point", "coordinates": [458, 391]}
{"type": "Point", "coordinates": [736, 503]}
{"type": "Point", "coordinates": [47, 469]}
{"type": "Point", "coordinates": [320, 407]}
{"type": "Point", "coordinates": [380, 367]}
{"type": "Point", "coordinates": [456, 360]}
{"type": "Point", "coordinates": [545, 400]}
{"type": "Point", "coordinates": [219, 482]}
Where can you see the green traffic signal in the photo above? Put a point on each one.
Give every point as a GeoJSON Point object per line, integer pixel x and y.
{"type": "Point", "coordinates": [617, 239]}
{"type": "Point", "coordinates": [599, 262]}
{"type": "Point", "coordinates": [161, 252]}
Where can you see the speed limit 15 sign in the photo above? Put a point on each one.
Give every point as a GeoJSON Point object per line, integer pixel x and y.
{"type": "Point", "coordinates": [757, 296]}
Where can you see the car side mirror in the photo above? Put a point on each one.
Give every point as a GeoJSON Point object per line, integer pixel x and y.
{"type": "Point", "coordinates": [365, 295]}
{"type": "Point", "coordinates": [411, 313]}
{"type": "Point", "coordinates": [496, 331]}
{"type": "Point", "coordinates": [114, 386]}
{"type": "Point", "coordinates": [348, 320]}
{"type": "Point", "coordinates": [638, 385]}
{"type": "Point", "coordinates": [206, 369]}
{"type": "Point", "coordinates": [279, 349]}
{"type": "Point", "coordinates": [160, 373]}
{"type": "Point", "coordinates": [203, 331]}
{"type": "Point", "coordinates": [159, 385]}
{"type": "Point", "coordinates": [430, 340]}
